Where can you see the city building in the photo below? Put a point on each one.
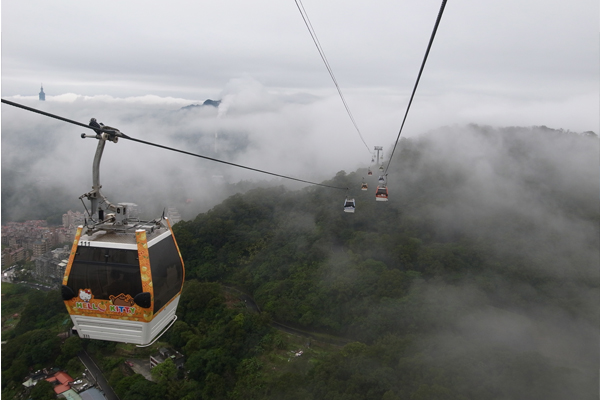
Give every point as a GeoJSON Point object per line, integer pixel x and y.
{"type": "Point", "coordinates": [72, 219]}
{"type": "Point", "coordinates": [11, 255]}
{"type": "Point", "coordinates": [42, 94]}
{"type": "Point", "coordinates": [50, 266]}
{"type": "Point", "coordinates": [163, 354]}
{"type": "Point", "coordinates": [40, 247]}
{"type": "Point", "coordinates": [61, 381]}
{"type": "Point", "coordinates": [23, 240]}
{"type": "Point", "coordinates": [92, 394]}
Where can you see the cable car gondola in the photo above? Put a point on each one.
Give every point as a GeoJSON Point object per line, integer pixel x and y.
{"type": "Point", "coordinates": [364, 186]}
{"type": "Point", "coordinates": [381, 194]}
{"type": "Point", "coordinates": [124, 276]}
{"type": "Point", "coordinates": [349, 205]}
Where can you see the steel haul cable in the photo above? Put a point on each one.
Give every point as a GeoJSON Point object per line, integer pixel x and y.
{"type": "Point", "coordinates": [124, 136]}
{"type": "Point", "coordinates": [313, 34]}
{"type": "Point", "coordinates": [437, 23]}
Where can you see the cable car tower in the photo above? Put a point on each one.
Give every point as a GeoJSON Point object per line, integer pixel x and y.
{"type": "Point", "coordinates": [379, 158]}
{"type": "Point", "coordinates": [378, 149]}
{"type": "Point", "coordinates": [124, 276]}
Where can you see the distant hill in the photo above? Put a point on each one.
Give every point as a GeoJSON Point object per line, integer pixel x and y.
{"type": "Point", "coordinates": [208, 102]}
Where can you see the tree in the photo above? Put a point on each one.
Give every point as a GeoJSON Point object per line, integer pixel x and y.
{"type": "Point", "coordinates": [69, 349]}
{"type": "Point", "coordinates": [43, 390]}
{"type": "Point", "coordinates": [164, 372]}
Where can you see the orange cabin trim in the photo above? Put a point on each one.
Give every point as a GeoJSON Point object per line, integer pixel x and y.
{"type": "Point", "coordinates": [145, 271]}
{"type": "Point", "coordinates": [72, 255]}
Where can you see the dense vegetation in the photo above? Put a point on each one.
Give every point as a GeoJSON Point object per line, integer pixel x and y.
{"type": "Point", "coordinates": [464, 285]}
{"type": "Point", "coordinates": [33, 343]}
{"type": "Point", "coordinates": [477, 280]}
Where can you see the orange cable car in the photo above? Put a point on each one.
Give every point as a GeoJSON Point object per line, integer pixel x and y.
{"type": "Point", "coordinates": [124, 276]}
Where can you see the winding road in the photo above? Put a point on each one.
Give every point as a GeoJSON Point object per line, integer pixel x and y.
{"type": "Point", "coordinates": [96, 375]}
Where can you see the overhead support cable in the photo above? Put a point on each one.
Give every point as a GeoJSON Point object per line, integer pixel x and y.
{"type": "Point", "coordinates": [313, 34]}
{"type": "Point", "coordinates": [435, 27]}
{"type": "Point", "coordinates": [70, 121]}
{"type": "Point", "coordinates": [122, 135]}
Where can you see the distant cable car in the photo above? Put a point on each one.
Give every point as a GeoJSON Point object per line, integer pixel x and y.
{"type": "Point", "coordinates": [381, 194]}
{"type": "Point", "coordinates": [364, 186]}
{"type": "Point", "coordinates": [124, 276]}
{"type": "Point", "coordinates": [381, 179]}
{"type": "Point", "coordinates": [349, 205]}
{"type": "Point", "coordinates": [381, 167]}
{"type": "Point", "coordinates": [369, 172]}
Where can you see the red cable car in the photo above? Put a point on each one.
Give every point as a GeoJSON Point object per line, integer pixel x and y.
{"type": "Point", "coordinates": [381, 194]}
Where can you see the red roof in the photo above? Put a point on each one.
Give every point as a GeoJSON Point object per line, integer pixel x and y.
{"type": "Point", "coordinates": [63, 378]}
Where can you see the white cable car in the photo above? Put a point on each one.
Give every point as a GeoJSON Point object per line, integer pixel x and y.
{"type": "Point", "coordinates": [349, 205]}
{"type": "Point", "coordinates": [124, 276]}
{"type": "Point", "coordinates": [381, 179]}
{"type": "Point", "coordinates": [364, 186]}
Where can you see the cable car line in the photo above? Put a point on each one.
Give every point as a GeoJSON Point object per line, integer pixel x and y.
{"type": "Point", "coordinates": [124, 136]}
{"type": "Point", "coordinates": [435, 27]}
{"type": "Point", "coordinates": [233, 164]}
{"type": "Point", "coordinates": [10, 103]}
{"type": "Point", "coordinates": [113, 131]}
{"type": "Point", "coordinates": [313, 34]}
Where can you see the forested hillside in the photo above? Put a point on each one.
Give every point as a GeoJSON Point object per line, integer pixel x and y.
{"type": "Point", "coordinates": [477, 280]}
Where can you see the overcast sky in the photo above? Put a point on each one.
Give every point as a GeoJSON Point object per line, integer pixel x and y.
{"type": "Point", "coordinates": [513, 62]}
{"type": "Point", "coordinates": [132, 64]}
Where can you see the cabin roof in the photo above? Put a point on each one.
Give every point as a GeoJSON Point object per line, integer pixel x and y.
{"type": "Point", "coordinates": [121, 237]}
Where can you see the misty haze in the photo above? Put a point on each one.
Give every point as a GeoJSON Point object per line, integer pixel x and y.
{"type": "Point", "coordinates": [472, 275]}
{"type": "Point", "coordinates": [486, 253]}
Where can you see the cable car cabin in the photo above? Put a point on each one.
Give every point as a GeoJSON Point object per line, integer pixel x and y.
{"type": "Point", "coordinates": [124, 276]}
{"type": "Point", "coordinates": [381, 179]}
{"type": "Point", "coordinates": [349, 205]}
{"type": "Point", "coordinates": [369, 173]}
{"type": "Point", "coordinates": [381, 194]}
{"type": "Point", "coordinates": [364, 186]}
{"type": "Point", "coordinates": [124, 286]}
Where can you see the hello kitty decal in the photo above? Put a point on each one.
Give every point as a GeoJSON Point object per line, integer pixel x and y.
{"type": "Point", "coordinates": [85, 295]}
{"type": "Point", "coordinates": [122, 304]}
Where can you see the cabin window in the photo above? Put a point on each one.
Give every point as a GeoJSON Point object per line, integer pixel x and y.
{"type": "Point", "coordinates": [105, 272]}
{"type": "Point", "coordinates": [167, 272]}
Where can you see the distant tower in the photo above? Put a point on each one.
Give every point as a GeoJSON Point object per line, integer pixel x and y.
{"type": "Point", "coordinates": [42, 94]}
